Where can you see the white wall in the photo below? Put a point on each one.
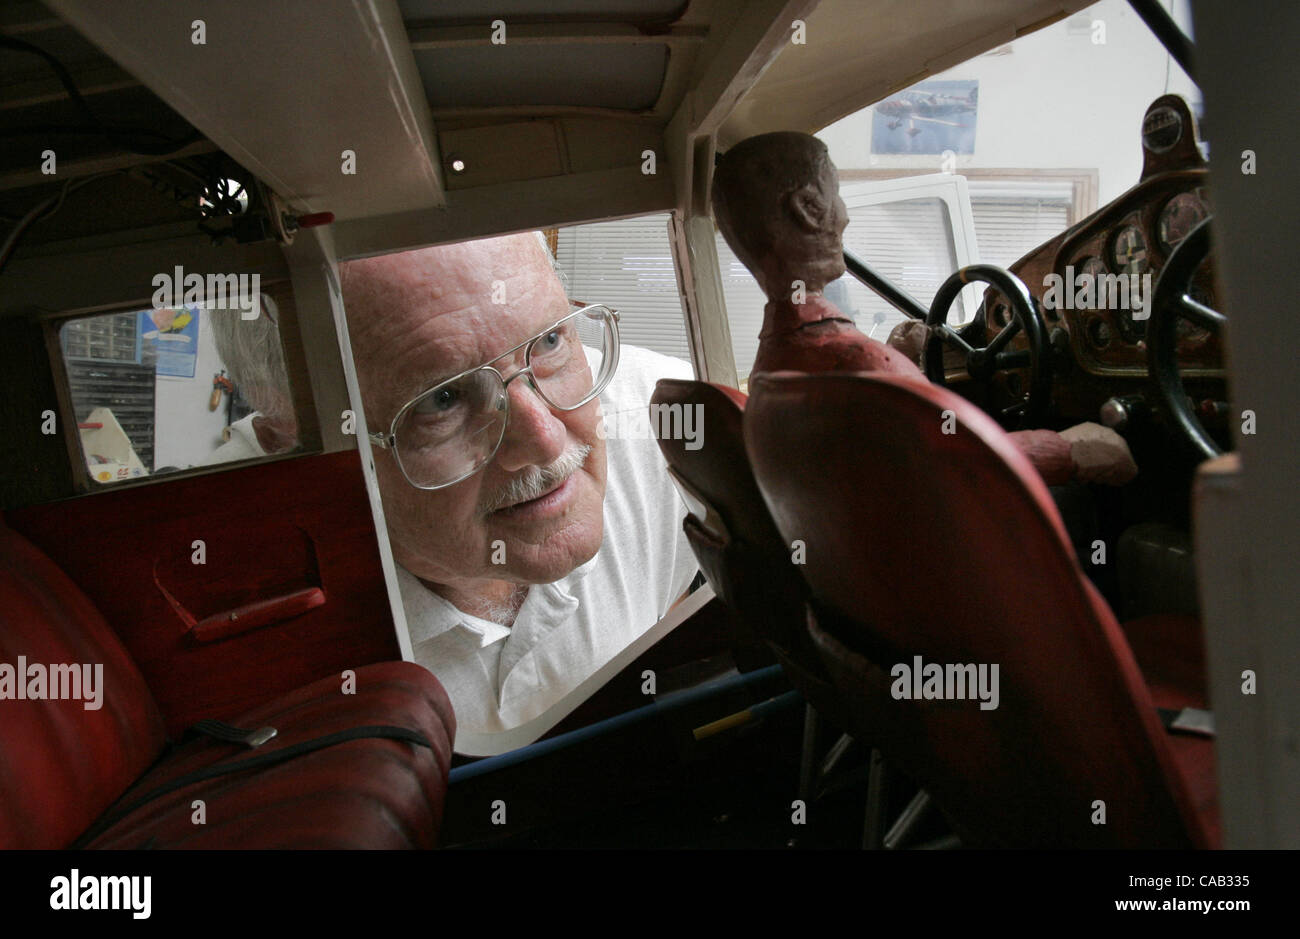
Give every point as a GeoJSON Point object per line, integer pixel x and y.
{"type": "Point", "coordinates": [1052, 99]}
{"type": "Point", "coordinates": [185, 431]}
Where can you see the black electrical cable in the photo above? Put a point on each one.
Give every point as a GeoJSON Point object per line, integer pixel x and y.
{"type": "Point", "coordinates": [85, 130]}
{"type": "Point", "coordinates": [92, 124]}
{"type": "Point", "coordinates": [44, 209]}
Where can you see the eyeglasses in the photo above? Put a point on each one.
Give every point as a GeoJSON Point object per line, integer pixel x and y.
{"type": "Point", "coordinates": [454, 429]}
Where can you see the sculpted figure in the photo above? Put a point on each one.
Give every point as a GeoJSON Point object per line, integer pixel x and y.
{"type": "Point", "coordinates": [776, 201]}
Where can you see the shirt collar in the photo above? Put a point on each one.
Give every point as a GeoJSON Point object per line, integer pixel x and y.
{"type": "Point", "coordinates": [429, 615]}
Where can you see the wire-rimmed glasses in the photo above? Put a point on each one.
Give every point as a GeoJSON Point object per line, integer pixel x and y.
{"type": "Point", "coordinates": [451, 431]}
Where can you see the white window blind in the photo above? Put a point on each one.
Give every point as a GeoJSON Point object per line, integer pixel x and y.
{"type": "Point", "coordinates": [908, 242]}
{"type": "Point", "coordinates": [745, 301]}
{"type": "Point", "coordinates": [1013, 217]}
{"type": "Point", "coordinates": [628, 264]}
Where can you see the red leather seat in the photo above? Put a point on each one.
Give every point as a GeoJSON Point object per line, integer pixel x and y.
{"type": "Point", "coordinates": [731, 532]}
{"type": "Point", "coordinates": [947, 546]}
{"type": "Point", "coordinates": [63, 765]}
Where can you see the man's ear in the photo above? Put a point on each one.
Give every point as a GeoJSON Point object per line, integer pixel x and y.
{"type": "Point", "coordinates": [807, 206]}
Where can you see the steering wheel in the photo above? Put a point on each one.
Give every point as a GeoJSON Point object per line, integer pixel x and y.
{"type": "Point", "coordinates": [1170, 303]}
{"type": "Point", "coordinates": [983, 363]}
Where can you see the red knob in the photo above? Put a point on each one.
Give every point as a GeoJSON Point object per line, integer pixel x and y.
{"type": "Point", "coordinates": [313, 219]}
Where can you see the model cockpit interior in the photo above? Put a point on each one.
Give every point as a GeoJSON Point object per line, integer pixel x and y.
{"type": "Point", "coordinates": [850, 419]}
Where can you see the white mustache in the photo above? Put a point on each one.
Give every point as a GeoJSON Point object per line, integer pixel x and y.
{"type": "Point", "coordinates": [535, 481]}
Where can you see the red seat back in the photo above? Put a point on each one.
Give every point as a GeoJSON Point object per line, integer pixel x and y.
{"type": "Point", "coordinates": [61, 765]}
{"type": "Point", "coordinates": [733, 536]}
{"type": "Point", "coordinates": [929, 534]}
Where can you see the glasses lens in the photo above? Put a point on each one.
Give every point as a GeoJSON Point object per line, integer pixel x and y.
{"type": "Point", "coordinates": [574, 360]}
{"type": "Point", "coordinates": [452, 430]}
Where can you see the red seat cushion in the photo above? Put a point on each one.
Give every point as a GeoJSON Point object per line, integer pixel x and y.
{"type": "Point", "coordinates": [369, 793]}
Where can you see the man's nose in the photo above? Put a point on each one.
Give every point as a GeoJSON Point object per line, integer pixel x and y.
{"type": "Point", "coordinates": [534, 434]}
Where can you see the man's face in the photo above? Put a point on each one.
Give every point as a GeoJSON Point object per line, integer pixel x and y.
{"type": "Point", "coordinates": [424, 316]}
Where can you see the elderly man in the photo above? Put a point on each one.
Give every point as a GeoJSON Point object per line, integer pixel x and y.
{"type": "Point", "coordinates": [531, 549]}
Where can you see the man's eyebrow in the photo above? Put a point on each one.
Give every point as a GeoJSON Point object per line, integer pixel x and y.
{"type": "Point", "coordinates": [442, 375]}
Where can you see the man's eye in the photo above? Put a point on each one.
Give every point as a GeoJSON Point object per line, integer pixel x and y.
{"type": "Point", "coordinates": [440, 402]}
{"type": "Point", "coordinates": [550, 342]}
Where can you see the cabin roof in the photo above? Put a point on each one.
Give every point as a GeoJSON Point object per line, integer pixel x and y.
{"type": "Point", "coordinates": [454, 121]}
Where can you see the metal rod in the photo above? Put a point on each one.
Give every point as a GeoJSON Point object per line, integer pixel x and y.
{"type": "Point", "coordinates": [1166, 30]}
{"type": "Point", "coordinates": [808, 756]}
{"type": "Point", "coordinates": [908, 820]}
{"type": "Point", "coordinates": [895, 295]}
{"type": "Point", "coordinates": [617, 722]}
{"type": "Point", "coordinates": [747, 716]}
{"type": "Point", "coordinates": [836, 753]}
{"type": "Point", "coordinates": [873, 825]}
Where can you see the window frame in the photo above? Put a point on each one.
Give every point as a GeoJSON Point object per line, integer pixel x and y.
{"type": "Point", "coordinates": [85, 484]}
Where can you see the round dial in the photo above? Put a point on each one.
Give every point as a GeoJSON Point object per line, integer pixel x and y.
{"type": "Point", "coordinates": [1099, 332]}
{"type": "Point", "coordinates": [1093, 268]}
{"type": "Point", "coordinates": [1129, 251]}
{"type": "Point", "coordinates": [1177, 219]}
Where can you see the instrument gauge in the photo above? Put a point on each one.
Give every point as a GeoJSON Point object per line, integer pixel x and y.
{"type": "Point", "coordinates": [1129, 251]}
{"type": "Point", "coordinates": [1180, 215]}
{"type": "Point", "coordinates": [1093, 268]}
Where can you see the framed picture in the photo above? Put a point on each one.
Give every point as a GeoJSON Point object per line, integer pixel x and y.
{"type": "Point", "coordinates": [929, 117]}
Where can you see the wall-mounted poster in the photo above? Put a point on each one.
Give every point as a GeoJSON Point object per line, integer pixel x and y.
{"type": "Point", "coordinates": [929, 117]}
{"type": "Point", "coordinates": [172, 335]}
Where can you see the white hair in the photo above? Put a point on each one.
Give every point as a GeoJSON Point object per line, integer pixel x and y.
{"type": "Point", "coordinates": [555, 264]}
{"type": "Point", "coordinates": [253, 355]}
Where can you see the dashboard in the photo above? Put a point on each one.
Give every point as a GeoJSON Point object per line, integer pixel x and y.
{"type": "Point", "coordinates": [1095, 281]}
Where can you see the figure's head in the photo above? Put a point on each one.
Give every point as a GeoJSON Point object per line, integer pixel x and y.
{"type": "Point", "coordinates": [535, 511]}
{"type": "Point", "coordinates": [776, 200]}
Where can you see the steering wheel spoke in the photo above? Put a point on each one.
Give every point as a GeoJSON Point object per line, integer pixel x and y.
{"type": "Point", "coordinates": [1018, 359]}
{"type": "Point", "coordinates": [983, 363]}
{"type": "Point", "coordinates": [950, 335]}
{"type": "Point", "coordinates": [1200, 314]}
{"type": "Point", "coordinates": [1009, 332]}
{"type": "Point", "coordinates": [1171, 302]}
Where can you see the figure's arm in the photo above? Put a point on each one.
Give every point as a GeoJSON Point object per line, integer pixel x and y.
{"type": "Point", "coordinates": [1088, 451]}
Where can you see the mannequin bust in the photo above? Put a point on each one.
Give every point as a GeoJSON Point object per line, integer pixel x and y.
{"type": "Point", "coordinates": [776, 201]}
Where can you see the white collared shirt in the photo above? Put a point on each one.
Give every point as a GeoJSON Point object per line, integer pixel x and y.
{"type": "Point", "coordinates": [242, 445]}
{"type": "Point", "coordinates": [499, 677]}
